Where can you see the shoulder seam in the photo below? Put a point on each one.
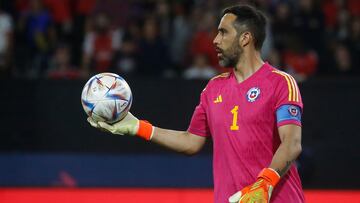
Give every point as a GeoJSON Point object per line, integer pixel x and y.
{"type": "Point", "coordinates": [222, 75]}
{"type": "Point", "coordinates": [292, 86]}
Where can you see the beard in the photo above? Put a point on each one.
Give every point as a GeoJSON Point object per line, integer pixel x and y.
{"type": "Point", "coordinates": [230, 57]}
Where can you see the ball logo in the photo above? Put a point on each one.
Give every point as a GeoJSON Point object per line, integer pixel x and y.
{"type": "Point", "coordinates": [293, 111]}
{"type": "Point", "coordinates": [253, 94]}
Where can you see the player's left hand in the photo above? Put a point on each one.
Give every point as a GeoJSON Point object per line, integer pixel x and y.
{"type": "Point", "coordinates": [129, 125]}
{"type": "Point", "coordinates": [260, 191]}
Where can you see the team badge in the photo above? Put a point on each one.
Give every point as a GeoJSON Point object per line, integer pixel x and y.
{"type": "Point", "coordinates": [253, 94]}
{"type": "Point", "coordinates": [293, 111]}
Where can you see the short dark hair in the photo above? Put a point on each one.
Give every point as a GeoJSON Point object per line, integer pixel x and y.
{"type": "Point", "coordinates": [253, 19]}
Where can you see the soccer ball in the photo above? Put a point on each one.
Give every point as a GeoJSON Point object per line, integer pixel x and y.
{"type": "Point", "coordinates": [106, 97]}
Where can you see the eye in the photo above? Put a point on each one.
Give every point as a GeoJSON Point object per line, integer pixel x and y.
{"type": "Point", "coordinates": [222, 31]}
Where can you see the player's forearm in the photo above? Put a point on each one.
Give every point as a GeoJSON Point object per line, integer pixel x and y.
{"type": "Point", "coordinates": [285, 155]}
{"type": "Point", "coordinates": [179, 141]}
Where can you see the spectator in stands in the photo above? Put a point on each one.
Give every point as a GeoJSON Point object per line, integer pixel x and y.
{"type": "Point", "coordinates": [309, 24]}
{"type": "Point", "coordinates": [133, 29]}
{"type": "Point", "coordinates": [341, 63]}
{"type": "Point", "coordinates": [353, 43]}
{"type": "Point", "coordinates": [331, 8]}
{"type": "Point", "coordinates": [354, 7]}
{"type": "Point", "coordinates": [181, 33]}
{"type": "Point", "coordinates": [200, 68]}
{"type": "Point", "coordinates": [163, 17]}
{"type": "Point", "coordinates": [100, 44]}
{"type": "Point", "coordinates": [125, 60]}
{"type": "Point", "coordinates": [82, 9]}
{"type": "Point", "coordinates": [6, 42]}
{"type": "Point", "coordinates": [120, 11]}
{"type": "Point", "coordinates": [181, 30]}
{"type": "Point", "coordinates": [300, 61]}
{"type": "Point", "coordinates": [153, 52]}
{"type": "Point", "coordinates": [40, 37]}
{"type": "Point", "coordinates": [61, 15]}
{"type": "Point", "coordinates": [60, 65]}
{"type": "Point", "coordinates": [202, 39]}
{"type": "Point", "coordinates": [342, 25]}
{"type": "Point", "coordinates": [282, 25]}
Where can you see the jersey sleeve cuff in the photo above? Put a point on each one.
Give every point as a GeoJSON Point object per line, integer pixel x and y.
{"type": "Point", "coordinates": [287, 122]}
{"type": "Point", "coordinates": [197, 132]}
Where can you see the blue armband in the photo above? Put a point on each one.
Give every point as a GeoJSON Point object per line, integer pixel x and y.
{"type": "Point", "coordinates": [288, 112]}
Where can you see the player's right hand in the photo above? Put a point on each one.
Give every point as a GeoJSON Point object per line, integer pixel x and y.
{"type": "Point", "coordinates": [129, 125]}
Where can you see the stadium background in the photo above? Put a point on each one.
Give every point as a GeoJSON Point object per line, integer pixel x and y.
{"type": "Point", "coordinates": [49, 48]}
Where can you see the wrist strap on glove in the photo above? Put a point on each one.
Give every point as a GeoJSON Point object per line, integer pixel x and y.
{"type": "Point", "coordinates": [270, 175]}
{"type": "Point", "coordinates": [145, 130]}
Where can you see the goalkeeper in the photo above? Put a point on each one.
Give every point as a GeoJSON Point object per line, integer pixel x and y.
{"type": "Point", "coordinates": [252, 113]}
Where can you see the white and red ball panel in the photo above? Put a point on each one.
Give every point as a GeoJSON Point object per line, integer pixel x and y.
{"type": "Point", "coordinates": [106, 97]}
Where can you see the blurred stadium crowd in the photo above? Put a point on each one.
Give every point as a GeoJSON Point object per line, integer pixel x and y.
{"type": "Point", "coordinates": [71, 39]}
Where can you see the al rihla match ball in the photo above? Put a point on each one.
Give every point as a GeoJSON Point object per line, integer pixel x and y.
{"type": "Point", "coordinates": [106, 97]}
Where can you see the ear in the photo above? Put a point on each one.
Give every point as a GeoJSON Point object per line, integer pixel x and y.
{"type": "Point", "coordinates": [245, 39]}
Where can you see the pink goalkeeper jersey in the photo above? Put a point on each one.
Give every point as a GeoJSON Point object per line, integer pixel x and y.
{"type": "Point", "coordinates": [241, 120]}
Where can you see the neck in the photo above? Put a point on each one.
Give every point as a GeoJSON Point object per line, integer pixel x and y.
{"type": "Point", "coordinates": [248, 64]}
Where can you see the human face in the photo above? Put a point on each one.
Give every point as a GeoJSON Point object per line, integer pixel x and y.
{"type": "Point", "coordinates": [227, 42]}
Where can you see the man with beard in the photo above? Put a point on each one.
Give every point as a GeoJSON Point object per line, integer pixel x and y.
{"type": "Point", "coordinates": [252, 113]}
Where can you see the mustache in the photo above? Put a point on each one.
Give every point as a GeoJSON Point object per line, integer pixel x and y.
{"type": "Point", "coordinates": [218, 50]}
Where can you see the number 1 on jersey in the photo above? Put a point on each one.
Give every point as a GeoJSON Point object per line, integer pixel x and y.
{"type": "Point", "coordinates": [234, 112]}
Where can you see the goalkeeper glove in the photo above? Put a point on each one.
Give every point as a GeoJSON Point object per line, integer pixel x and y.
{"type": "Point", "coordinates": [260, 191]}
{"type": "Point", "coordinates": [129, 125]}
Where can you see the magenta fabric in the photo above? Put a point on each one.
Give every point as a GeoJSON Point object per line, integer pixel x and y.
{"type": "Point", "coordinates": [240, 153]}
